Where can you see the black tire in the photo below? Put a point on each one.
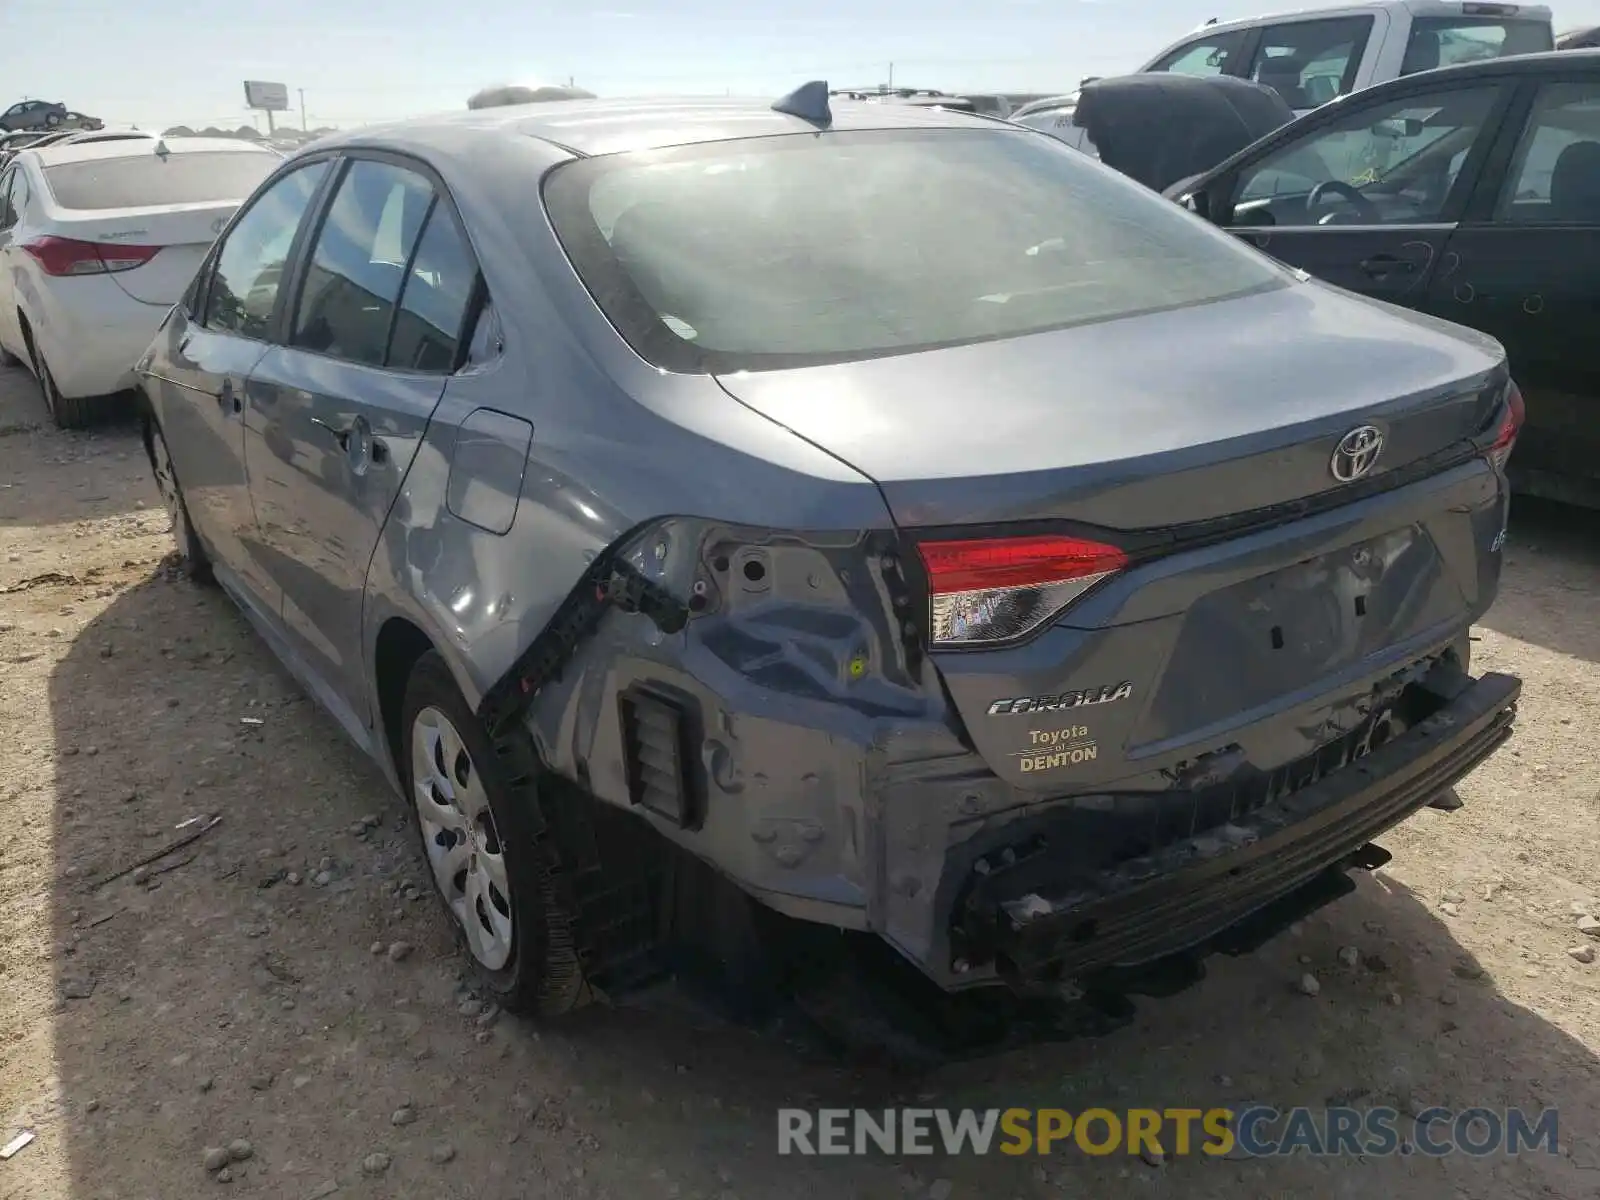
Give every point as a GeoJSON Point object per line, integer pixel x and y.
{"type": "Point", "coordinates": [79, 412]}
{"type": "Point", "coordinates": [52, 120]}
{"type": "Point", "coordinates": [543, 975]}
{"type": "Point", "coordinates": [192, 557]}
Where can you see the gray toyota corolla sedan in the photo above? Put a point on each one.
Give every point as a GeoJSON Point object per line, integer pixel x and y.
{"type": "Point", "coordinates": [723, 519]}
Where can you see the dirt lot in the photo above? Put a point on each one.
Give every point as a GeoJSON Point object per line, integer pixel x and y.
{"type": "Point", "coordinates": [245, 994]}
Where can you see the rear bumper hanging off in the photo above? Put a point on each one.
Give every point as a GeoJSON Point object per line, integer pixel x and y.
{"type": "Point", "coordinates": [1188, 892]}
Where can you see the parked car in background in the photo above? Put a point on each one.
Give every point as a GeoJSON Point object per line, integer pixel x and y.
{"type": "Point", "coordinates": [1579, 39]}
{"type": "Point", "coordinates": [97, 242]}
{"type": "Point", "coordinates": [86, 137]}
{"type": "Point", "coordinates": [10, 143]}
{"type": "Point", "coordinates": [45, 114]}
{"type": "Point", "coordinates": [515, 438]}
{"type": "Point", "coordinates": [503, 95]}
{"type": "Point", "coordinates": [1470, 193]}
{"type": "Point", "coordinates": [1315, 55]}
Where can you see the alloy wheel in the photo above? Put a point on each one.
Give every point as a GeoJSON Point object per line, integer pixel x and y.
{"type": "Point", "coordinates": [458, 831]}
{"type": "Point", "coordinates": [167, 485]}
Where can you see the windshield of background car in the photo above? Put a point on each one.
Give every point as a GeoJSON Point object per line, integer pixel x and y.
{"type": "Point", "coordinates": [151, 180]}
{"type": "Point", "coordinates": [800, 250]}
{"type": "Point", "coordinates": [1471, 39]}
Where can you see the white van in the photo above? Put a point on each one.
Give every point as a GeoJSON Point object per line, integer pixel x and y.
{"type": "Point", "coordinates": [1312, 56]}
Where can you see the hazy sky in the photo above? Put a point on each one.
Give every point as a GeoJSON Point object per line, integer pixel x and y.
{"type": "Point", "coordinates": [160, 62]}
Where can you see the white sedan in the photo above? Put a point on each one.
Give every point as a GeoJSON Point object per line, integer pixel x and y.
{"type": "Point", "coordinates": [97, 243]}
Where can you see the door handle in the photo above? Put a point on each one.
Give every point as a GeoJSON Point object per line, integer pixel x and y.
{"type": "Point", "coordinates": [228, 398]}
{"type": "Point", "coordinates": [1389, 264]}
{"type": "Point", "coordinates": [357, 442]}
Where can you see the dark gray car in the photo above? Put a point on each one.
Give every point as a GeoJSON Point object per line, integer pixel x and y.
{"type": "Point", "coordinates": [720, 523]}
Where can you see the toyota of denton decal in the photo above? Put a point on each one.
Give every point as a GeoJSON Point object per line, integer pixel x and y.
{"type": "Point", "coordinates": [1037, 704]}
{"type": "Point", "coordinates": [1053, 748]}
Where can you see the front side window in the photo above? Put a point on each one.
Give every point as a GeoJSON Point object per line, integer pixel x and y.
{"type": "Point", "coordinates": [1383, 164]}
{"type": "Point", "coordinates": [249, 270]}
{"type": "Point", "coordinates": [1445, 41]}
{"type": "Point", "coordinates": [358, 265]}
{"type": "Point", "coordinates": [771, 252]}
{"type": "Point", "coordinates": [1309, 63]}
{"type": "Point", "coordinates": [1555, 176]}
{"type": "Point", "coordinates": [1209, 55]}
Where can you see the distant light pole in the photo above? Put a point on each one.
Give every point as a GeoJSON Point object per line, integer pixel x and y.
{"type": "Point", "coordinates": [304, 128]}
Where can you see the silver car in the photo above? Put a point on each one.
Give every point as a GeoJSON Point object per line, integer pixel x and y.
{"type": "Point", "coordinates": [784, 533]}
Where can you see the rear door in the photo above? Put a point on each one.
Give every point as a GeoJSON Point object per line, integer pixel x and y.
{"type": "Point", "coordinates": [199, 398]}
{"type": "Point", "coordinates": [1366, 197]}
{"type": "Point", "coordinates": [336, 413]}
{"type": "Point", "coordinates": [1525, 267]}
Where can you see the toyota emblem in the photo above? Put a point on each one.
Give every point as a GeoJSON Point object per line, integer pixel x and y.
{"type": "Point", "coordinates": [1356, 453]}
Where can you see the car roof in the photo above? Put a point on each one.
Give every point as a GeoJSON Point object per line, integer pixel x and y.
{"type": "Point", "coordinates": [589, 127]}
{"type": "Point", "coordinates": [1417, 8]}
{"type": "Point", "coordinates": [1544, 62]}
{"type": "Point", "coordinates": [133, 147]}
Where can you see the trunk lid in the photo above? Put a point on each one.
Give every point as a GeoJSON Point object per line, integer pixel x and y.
{"type": "Point", "coordinates": [184, 233]}
{"type": "Point", "coordinates": [1256, 640]}
{"type": "Point", "coordinates": [1146, 422]}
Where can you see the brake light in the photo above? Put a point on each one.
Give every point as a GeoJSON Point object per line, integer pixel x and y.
{"type": "Point", "coordinates": [1510, 425]}
{"type": "Point", "coordinates": [994, 589]}
{"type": "Point", "coordinates": [68, 256]}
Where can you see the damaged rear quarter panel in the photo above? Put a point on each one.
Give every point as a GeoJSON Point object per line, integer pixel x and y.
{"type": "Point", "coordinates": [611, 455]}
{"type": "Point", "coordinates": [793, 673]}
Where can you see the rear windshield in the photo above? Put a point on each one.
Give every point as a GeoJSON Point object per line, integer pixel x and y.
{"type": "Point", "coordinates": [1446, 41]}
{"type": "Point", "coordinates": [788, 251]}
{"type": "Point", "coordinates": [148, 180]}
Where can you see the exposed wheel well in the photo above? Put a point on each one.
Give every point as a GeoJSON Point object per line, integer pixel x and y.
{"type": "Point", "coordinates": [27, 336]}
{"type": "Point", "coordinates": [400, 644]}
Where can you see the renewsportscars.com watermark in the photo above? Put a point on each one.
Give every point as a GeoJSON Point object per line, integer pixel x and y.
{"type": "Point", "coordinates": [1253, 1130]}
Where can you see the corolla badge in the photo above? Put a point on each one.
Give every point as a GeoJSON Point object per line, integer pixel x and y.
{"type": "Point", "coordinates": [1356, 453]}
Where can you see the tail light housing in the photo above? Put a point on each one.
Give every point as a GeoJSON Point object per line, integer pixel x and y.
{"type": "Point", "coordinates": [67, 256]}
{"type": "Point", "coordinates": [988, 590]}
{"type": "Point", "coordinates": [1510, 425]}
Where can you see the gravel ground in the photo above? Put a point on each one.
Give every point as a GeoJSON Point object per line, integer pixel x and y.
{"type": "Point", "coordinates": [274, 987]}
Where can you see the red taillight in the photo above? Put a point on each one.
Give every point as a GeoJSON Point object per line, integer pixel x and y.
{"type": "Point", "coordinates": [1510, 426]}
{"type": "Point", "coordinates": [995, 589]}
{"type": "Point", "coordinates": [68, 256]}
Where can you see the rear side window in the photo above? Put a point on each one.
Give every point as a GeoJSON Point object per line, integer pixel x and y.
{"type": "Point", "coordinates": [1309, 63]}
{"type": "Point", "coordinates": [390, 279]}
{"type": "Point", "coordinates": [788, 251]}
{"type": "Point", "coordinates": [1556, 175]}
{"type": "Point", "coordinates": [21, 193]}
{"type": "Point", "coordinates": [1446, 41]}
{"type": "Point", "coordinates": [151, 180]}
{"type": "Point", "coordinates": [434, 303]}
{"type": "Point", "coordinates": [358, 265]}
